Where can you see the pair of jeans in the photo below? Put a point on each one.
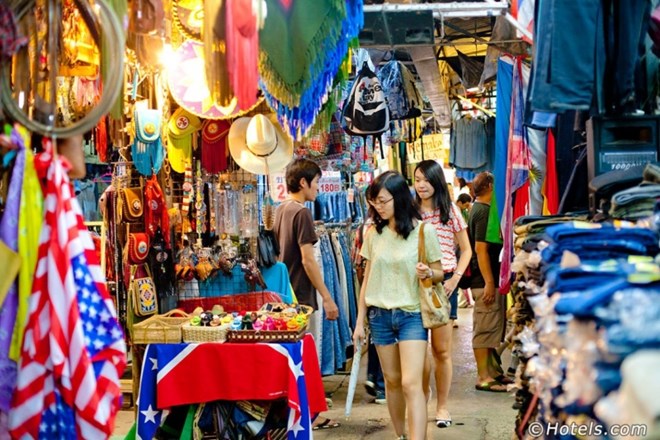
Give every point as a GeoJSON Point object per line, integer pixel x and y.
{"type": "Point", "coordinates": [395, 325]}
{"type": "Point", "coordinates": [453, 299]}
{"type": "Point", "coordinates": [567, 67]}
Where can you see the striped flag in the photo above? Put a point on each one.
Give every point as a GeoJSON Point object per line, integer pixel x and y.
{"type": "Point", "coordinates": [73, 349]}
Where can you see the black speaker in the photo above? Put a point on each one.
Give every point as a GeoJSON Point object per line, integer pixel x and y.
{"type": "Point", "coordinates": [404, 28]}
{"type": "Point", "coordinates": [619, 143]}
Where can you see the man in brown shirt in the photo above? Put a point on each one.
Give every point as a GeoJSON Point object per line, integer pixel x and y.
{"type": "Point", "coordinates": [294, 230]}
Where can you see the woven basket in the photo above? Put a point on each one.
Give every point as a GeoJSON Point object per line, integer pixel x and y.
{"type": "Point", "coordinates": [160, 329]}
{"type": "Point", "coordinates": [196, 333]}
{"type": "Point", "coordinates": [266, 335]}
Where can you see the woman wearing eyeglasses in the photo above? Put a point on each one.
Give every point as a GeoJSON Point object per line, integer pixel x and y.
{"type": "Point", "coordinates": [389, 297]}
{"type": "Point", "coordinates": [438, 210]}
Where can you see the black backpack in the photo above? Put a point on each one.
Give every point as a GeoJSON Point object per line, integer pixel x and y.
{"type": "Point", "coordinates": [365, 111]}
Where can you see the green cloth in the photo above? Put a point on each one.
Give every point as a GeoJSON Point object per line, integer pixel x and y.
{"type": "Point", "coordinates": [120, 7]}
{"type": "Point", "coordinates": [293, 44]}
{"type": "Point", "coordinates": [493, 233]}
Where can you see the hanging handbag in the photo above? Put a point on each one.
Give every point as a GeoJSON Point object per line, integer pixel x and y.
{"type": "Point", "coordinates": [131, 207]}
{"type": "Point", "coordinates": [433, 300]}
{"type": "Point", "coordinates": [143, 293]}
{"type": "Point", "coordinates": [138, 247]}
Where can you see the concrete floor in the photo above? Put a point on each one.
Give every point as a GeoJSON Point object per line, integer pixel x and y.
{"type": "Point", "coordinates": [476, 414]}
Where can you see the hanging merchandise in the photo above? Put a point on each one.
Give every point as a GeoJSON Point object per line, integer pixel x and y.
{"type": "Point", "coordinates": [147, 151]}
{"type": "Point", "coordinates": [187, 85]}
{"type": "Point", "coordinates": [188, 17]}
{"type": "Point", "coordinates": [403, 99]}
{"type": "Point", "coordinates": [214, 145]}
{"type": "Point", "coordinates": [365, 111]}
{"type": "Point", "coordinates": [72, 328]}
{"type": "Point", "coordinates": [142, 291]}
{"type": "Point", "coordinates": [243, 50]}
{"type": "Point", "coordinates": [215, 52]}
{"type": "Point", "coordinates": [302, 46]}
{"type": "Point", "coordinates": [182, 126]}
{"type": "Point", "coordinates": [137, 247]}
{"type": "Point", "coordinates": [131, 207]}
{"type": "Point", "coordinates": [259, 145]}
{"type": "Point", "coordinates": [146, 17]}
{"type": "Point", "coordinates": [155, 216]}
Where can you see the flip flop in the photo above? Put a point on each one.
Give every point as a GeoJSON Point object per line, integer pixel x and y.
{"type": "Point", "coordinates": [504, 380]}
{"type": "Point", "coordinates": [490, 386]}
{"type": "Point", "coordinates": [442, 423]}
{"type": "Point", "coordinates": [326, 424]}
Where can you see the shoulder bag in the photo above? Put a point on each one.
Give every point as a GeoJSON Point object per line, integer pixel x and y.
{"type": "Point", "coordinates": [143, 293]}
{"type": "Point", "coordinates": [433, 301]}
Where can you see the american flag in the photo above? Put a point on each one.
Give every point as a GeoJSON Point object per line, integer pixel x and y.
{"type": "Point", "coordinates": [73, 349]}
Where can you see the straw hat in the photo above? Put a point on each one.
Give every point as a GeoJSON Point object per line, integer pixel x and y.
{"type": "Point", "coordinates": [257, 140]}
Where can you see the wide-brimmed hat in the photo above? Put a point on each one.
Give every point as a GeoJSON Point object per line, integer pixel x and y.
{"type": "Point", "coordinates": [257, 140]}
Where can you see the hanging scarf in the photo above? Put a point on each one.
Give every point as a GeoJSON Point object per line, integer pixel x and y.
{"type": "Point", "coordinates": [298, 115]}
{"type": "Point", "coordinates": [74, 351]}
{"type": "Point", "coordinates": [215, 54]}
{"type": "Point", "coordinates": [9, 235]}
{"type": "Point", "coordinates": [29, 226]}
{"type": "Point", "coordinates": [242, 51]}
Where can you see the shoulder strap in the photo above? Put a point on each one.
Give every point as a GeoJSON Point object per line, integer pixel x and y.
{"type": "Point", "coordinates": [421, 249]}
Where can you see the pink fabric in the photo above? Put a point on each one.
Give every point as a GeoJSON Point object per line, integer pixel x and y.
{"type": "Point", "coordinates": [446, 233]}
{"type": "Point", "coordinates": [242, 51]}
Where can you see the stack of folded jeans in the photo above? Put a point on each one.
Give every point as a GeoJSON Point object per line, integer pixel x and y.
{"type": "Point", "coordinates": [635, 203]}
{"type": "Point", "coordinates": [594, 290]}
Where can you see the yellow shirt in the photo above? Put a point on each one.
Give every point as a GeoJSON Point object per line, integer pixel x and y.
{"type": "Point", "coordinates": [393, 282]}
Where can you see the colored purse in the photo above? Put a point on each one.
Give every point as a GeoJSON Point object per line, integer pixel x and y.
{"type": "Point", "coordinates": [147, 148]}
{"type": "Point", "coordinates": [131, 206]}
{"type": "Point", "coordinates": [143, 293]}
{"type": "Point", "coordinates": [138, 247]}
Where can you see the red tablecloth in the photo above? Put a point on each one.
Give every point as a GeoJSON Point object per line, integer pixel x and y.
{"type": "Point", "coordinates": [207, 372]}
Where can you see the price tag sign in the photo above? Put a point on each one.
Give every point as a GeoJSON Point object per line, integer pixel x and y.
{"type": "Point", "coordinates": [278, 190]}
{"type": "Point", "coordinates": [330, 181]}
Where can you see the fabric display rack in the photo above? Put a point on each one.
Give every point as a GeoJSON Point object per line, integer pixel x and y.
{"type": "Point", "coordinates": [585, 310]}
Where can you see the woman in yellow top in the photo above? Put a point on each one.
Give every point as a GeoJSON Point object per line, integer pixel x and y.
{"type": "Point", "coordinates": [389, 297]}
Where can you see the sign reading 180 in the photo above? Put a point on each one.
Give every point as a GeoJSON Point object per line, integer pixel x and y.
{"type": "Point", "coordinates": [330, 181]}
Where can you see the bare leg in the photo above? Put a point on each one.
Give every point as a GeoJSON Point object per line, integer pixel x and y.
{"type": "Point", "coordinates": [396, 404]}
{"type": "Point", "coordinates": [441, 343]}
{"type": "Point", "coordinates": [412, 367]}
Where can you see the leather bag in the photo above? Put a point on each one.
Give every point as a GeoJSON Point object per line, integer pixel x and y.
{"type": "Point", "coordinates": [131, 205]}
{"type": "Point", "coordinates": [433, 300]}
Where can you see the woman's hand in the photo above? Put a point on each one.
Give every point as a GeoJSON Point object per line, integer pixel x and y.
{"type": "Point", "coordinates": [359, 336]}
{"type": "Point", "coordinates": [423, 271]}
{"type": "Point", "coordinates": [451, 284]}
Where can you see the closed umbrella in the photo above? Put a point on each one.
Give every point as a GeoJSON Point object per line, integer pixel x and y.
{"type": "Point", "coordinates": [352, 382]}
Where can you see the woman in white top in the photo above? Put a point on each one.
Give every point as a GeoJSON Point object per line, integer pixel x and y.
{"type": "Point", "coordinates": [438, 210]}
{"type": "Point", "coordinates": [390, 298]}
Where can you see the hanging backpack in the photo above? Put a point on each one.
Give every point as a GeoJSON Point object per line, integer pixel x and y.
{"type": "Point", "coordinates": [403, 98]}
{"type": "Point", "coordinates": [365, 111]}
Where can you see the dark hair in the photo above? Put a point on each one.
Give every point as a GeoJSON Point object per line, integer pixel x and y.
{"type": "Point", "coordinates": [299, 169]}
{"type": "Point", "coordinates": [481, 182]}
{"type": "Point", "coordinates": [436, 177]}
{"type": "Point", "coordinates": [405, 207]}
{"type": "Point", "coordinates": [461, 182]}
{"type": "Point", "coordinates": [464, 198]}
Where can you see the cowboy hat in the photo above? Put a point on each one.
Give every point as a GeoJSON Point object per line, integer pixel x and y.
{"type": "Point", "coordinates": [257, 140]}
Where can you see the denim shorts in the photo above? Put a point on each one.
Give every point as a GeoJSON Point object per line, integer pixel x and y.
{"type": "Point", "coordinates": [392, 326]}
